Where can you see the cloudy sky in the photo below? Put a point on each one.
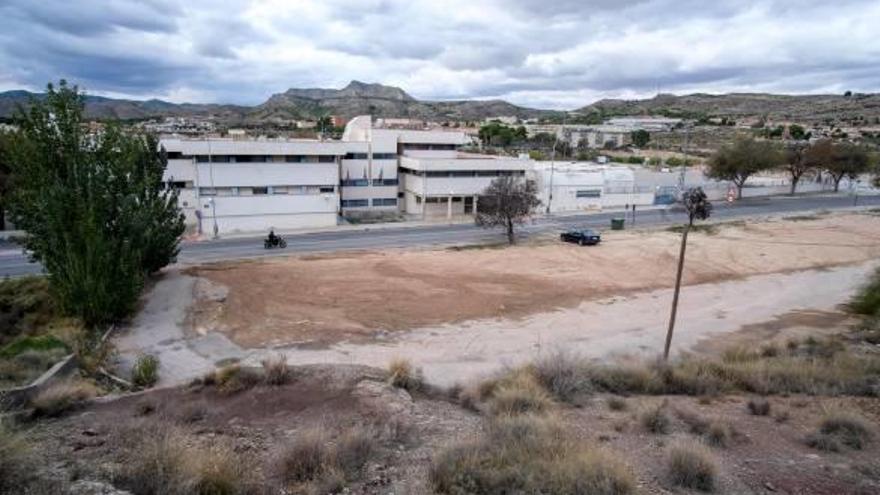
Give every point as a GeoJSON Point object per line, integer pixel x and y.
{"type": "Point", "coordinates": [540, 53]}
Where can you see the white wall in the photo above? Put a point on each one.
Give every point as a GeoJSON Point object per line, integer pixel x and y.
{"type": "Point", "coordinates": [257, 213]}
{"type": "Point", "coordinates": [266, 174]}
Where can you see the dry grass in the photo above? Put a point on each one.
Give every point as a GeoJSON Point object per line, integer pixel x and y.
{"type": "Point", "coordinates": [713, 431]}
{"type": "Point", "coordinates": [561, 373]}
{"type": "Point", "coordinates": [616, 403]}
{"type": "Point", "coordinates": [402, 374]}
{"type": "Point", "coordinates": [18, 462]}
{"type": "Point", "coordinates": [519, 393]}
{"type": "Point", "coordinates": [528, 454]}
{"type": "Point", "coordinates": [314, 463]}
{"type": "Point", "coordinates": [62, 397]}
{"type": "Point", "coordinates": [690, 465]}
{"type": "Point", "coordinates": [275, 370]}
{"type": "Point", "coordinates": [164, 460]}
{"type": "Point", "coordinates": [234, 378]}
{"type": "Point", "coordinates": [145, 372]}
{"type": "Point", "coordinates": [656, 419]}
{"type": "Point", "coordinates": [839, 429]}
{"type": "Point", "coordinates": [759, 406]}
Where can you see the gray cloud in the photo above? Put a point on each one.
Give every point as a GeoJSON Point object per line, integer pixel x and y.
{"type": "Point", "coordinates": [562, 53]}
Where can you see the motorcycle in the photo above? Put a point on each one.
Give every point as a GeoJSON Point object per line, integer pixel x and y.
{"type": "Point", "coordinates": [276, 242]}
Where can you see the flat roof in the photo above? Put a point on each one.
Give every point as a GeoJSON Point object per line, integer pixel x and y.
{"type": "Point", "coordinates": [468, 162]}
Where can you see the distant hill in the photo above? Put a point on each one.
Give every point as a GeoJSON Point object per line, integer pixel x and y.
{"type": "Point", "coordinates": [99, 107]}
{"type": "Point", "coordinates": [381, 101]}
{"type": "Point", "coordinates": [355, 99]}
{"type": "Point", "coordinates": [806, 108]}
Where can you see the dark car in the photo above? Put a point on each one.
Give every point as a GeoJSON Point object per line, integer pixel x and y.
{"type": "Point", "coordinates": [584, 237]}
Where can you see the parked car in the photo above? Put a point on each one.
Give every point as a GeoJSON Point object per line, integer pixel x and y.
{"type": "Point", "coordinates": [584, 237]}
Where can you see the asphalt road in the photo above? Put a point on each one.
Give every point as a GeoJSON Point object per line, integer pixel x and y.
{"type": "Point", "coordinates": [14, 263]}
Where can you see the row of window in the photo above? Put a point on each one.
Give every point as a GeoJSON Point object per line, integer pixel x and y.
{"type": "Point", "coordinates": [262, 158]}
{"type": "Point", "coordinates": [376, 156]}
{"type": "Point", "coordinates": [365, 182]}
{"type": "Point", "coordinates": [466, 173]}
{"type": "Point", "coordinates": [363, 203]}
{"type": "Point", "coordinates": [589, 193]}
{"type": "Point", "coordinates": [265, 190]}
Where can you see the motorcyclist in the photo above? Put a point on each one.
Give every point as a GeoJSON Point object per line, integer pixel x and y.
{"type": "Point", "coordinates": [273, 239]}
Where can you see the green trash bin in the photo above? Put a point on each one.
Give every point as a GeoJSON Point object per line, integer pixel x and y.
{"type": "Point", "coordinates": [617, 223]}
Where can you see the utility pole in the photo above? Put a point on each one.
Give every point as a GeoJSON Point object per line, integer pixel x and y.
{"type": "Point", "coordinates": [553, 163]}
{"type": "Point", "coordinates": [687, 135]}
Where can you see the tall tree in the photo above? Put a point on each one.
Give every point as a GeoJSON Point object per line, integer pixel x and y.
{"type": "Point", "coordinates": [640, 138]}
{"type": "Point", "coordinates": [744, 158]}
{"type": "Point", "coordinates": [507, 202]}
{"type": "Point", "coordinates": [5, 139]}
{"type": "Point", "coordinates": [93, 206]}
{"type": "Point", "coordinates": [847, 160]}
{"type": "Point", "coordinates": [797, 162]}
{"type": "Point", "coordinates": [698, 207]}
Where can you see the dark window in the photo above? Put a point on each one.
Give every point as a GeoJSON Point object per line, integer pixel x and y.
{"type": "Point", "coordinates": [178, 184]}
{"type": "Point", "coordinates": [250, 158]}
{"type": "Point", "coordinates": [355, 203]}
{"type": "Point", "coordinates": [260, 190]}
{"type": "Point", "coordinates": [294, 158]}
{"type": "Point", "coordinates": [462, 173]}
{"type": "Point", "coordinates": [384, 201]}
{"type": "Point", "coordinates": [175, 155]}
{"type": "Point", "coordinates": [202, 159]}
{"type": "Point", "coordinates": [356, 183]}
{"type": "Point", "coordinates": [385, 182]}
{"type": "Point", "coordinates": [328, 189]}
{"type": "Point", "coordinates": [384, 156]}
{"type": "Point", "coordinates": [326, 159]}
{"type": "Point", "coordinates": [589, 193]}
{"type": "Point", "coordinates": [355, 156]}
{"type": "Point", "coordinates": [438, 174]}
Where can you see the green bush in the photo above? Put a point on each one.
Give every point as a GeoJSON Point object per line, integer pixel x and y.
{"type": "Point", "coordinates": [25, 306]}
{"type": "Point", "coordinates": [145, 372]}
{"type": "Point", "coordinates": [867, 299]}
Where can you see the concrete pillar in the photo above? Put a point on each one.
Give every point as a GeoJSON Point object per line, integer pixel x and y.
{"type": "Point", "coordinates": [475, 205]}
{"type": "Point", "coordinates": [449, 207]}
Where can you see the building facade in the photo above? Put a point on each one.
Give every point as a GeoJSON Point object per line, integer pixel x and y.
{"type": "Point", "coordinates": [249, 185]}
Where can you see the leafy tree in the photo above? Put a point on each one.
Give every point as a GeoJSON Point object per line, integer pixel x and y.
{"type": "Point", "coordinates": [797, 162]}
{"type": "Point", "coordinates": [507, 202]}
{"type": "Point", "coordinates": [93, 206]}
{"type": "Point", "coordinates": [5, 140]}
{"type": "Point", "coordinates": [698, 207]}
{"type": "Point", "coordinates": [640, 138]}
{"type": "Point", "coordinates": [847, 160]}
{"type": "Point", "coordinates": [744, 158]}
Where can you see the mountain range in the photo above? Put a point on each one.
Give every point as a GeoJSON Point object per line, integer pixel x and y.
{"type": "Point", "coordinates": [359, 98]}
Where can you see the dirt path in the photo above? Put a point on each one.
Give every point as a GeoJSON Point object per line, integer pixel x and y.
{"type": "Point", "coordinates": [623, 325]}
{"type": "Point", "coordinates": [323, 300]}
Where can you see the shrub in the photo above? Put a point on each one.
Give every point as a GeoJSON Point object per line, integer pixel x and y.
{"type": "Point", "coordinates": [867, 299]}
{"type": "Point", "coordinates": [145, 372]}
{"type": "Point", "coordinates": [841, 428]}
{"type": "Point", "coordinates": [17, 461]}
{"type": "Point", "coordinates": [616, 403]}
{"type": "Point", "coordinates": [690, 465]}
{"type": "Point", "coordinates": [656, 419]}
{"type": "Point", "coordinates": [518, 394]}
{"type": "Point", "coordinates": [62, 397]}
{"type": "Point", "coordinates": [402, 374]}
{"type": "Point", "coordinates": [528, 454]}
{"type": "Point", "coordinates": [354, 448]}
{"type": "Point", "coordinates": [193, 412]}
{"type": "Point", "coordinates": [718, 434]}
{"type": "Point", "coordinates": [562, 375]}
{"type": "Point", "coordinates": [307, 458]}
{"type": "Point", "coordinates": [759, 406]}
{"type": "Point", "coordinates": [235, 378]}
{"type": "Point", "coordinates": [163, 460]}
{"type": "Point", "coordinates": [275, 370]}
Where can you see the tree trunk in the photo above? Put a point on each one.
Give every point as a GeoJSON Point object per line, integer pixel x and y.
{"type": "Point", "coordinates": [510, 237]}
{"type": "Point", "coordinates": [739, 190]}
{"type": "Point", "coordinates": [794, 183]}
{"type": "Point", "coordinates": [684, 238]}
{"type": "Point", "coordinates": [837, 180]}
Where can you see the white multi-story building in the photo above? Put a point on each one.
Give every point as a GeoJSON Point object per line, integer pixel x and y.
{"type": "Point", "coordinates": [229, 185]}
{"type": "Point", "coordinates": [584, 186]}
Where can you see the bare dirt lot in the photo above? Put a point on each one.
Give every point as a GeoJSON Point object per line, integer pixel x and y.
{"type": "Point", "coordinates": [321, 300]}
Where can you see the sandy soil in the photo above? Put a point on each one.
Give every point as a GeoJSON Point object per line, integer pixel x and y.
{"type": "Point", "coordinates": [316, 301]}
